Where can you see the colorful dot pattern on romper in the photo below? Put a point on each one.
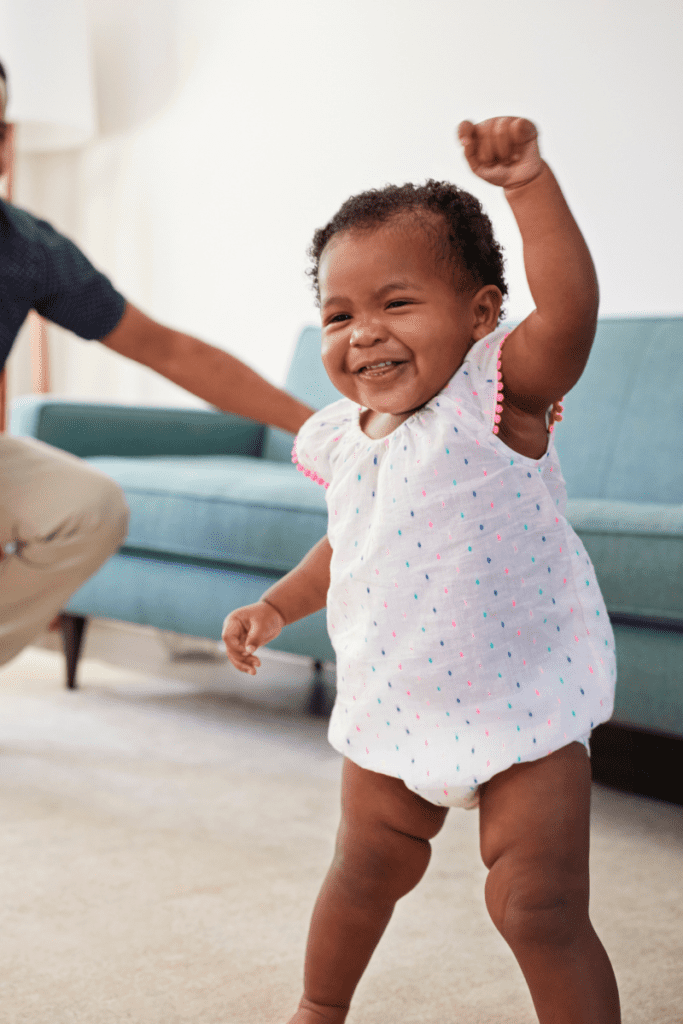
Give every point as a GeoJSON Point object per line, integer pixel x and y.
{"type": "Point", "coordinates": [459, 592]}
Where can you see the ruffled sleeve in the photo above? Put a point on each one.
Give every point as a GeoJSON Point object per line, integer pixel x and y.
{"type": "Point", "coordinates": [482, 368]}
{"type": "Point", "coordinates": [317, 443]}
{"type": "Point", "coordinates": [484, 359]}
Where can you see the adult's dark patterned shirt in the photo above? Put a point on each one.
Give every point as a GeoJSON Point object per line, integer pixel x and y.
{"type": "Point", "coordinates": [42, 270]}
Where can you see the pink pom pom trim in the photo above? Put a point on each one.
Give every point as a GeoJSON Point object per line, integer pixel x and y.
{"type": "Point", "coordinates": [310, 473]}
{"type": "Point", "coordinates": [500, 396]}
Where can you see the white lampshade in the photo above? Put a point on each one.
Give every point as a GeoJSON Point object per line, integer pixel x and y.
{"type": "Point", "coordinates": [44, 48]}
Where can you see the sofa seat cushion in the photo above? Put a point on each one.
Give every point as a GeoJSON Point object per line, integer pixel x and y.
{"type": "Point", "coordinates": [222, 508]}
{"type": "Point", "coordinates": [637, 551]}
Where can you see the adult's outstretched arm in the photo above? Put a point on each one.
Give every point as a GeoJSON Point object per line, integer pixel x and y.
{"type": "Point", "coordinates": [212, 374]}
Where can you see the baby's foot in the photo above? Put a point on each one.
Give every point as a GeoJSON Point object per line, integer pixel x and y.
{"type": "Point", "coordinates": [310, 1013]}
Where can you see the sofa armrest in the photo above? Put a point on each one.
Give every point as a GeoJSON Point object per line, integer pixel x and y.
{"type": "Point", "coordinates": [637, 551]}
{"type": "Point", "coordinates": [90, 428]}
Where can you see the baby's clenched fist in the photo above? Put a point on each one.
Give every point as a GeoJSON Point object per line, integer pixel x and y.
{"type": "Point", "coordinates": [503, 150]}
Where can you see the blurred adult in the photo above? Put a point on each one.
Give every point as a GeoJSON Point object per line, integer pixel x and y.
{"type": "Point", "coordinates": [60, 519]}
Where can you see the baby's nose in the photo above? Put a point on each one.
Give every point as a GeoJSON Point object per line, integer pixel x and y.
{"type": "Point", "coordinates": [366, 332]}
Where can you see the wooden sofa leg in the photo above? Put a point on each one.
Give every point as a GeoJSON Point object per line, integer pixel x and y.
{"type": "Point", "coordinates": [73, 630]}
{"type": "Point", "coordinates": [318, 700]}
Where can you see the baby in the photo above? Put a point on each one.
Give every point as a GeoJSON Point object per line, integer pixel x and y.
{"type": "Point", "coordinates": [474, 652]}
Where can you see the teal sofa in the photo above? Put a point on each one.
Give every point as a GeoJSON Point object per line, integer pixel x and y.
{"type": "Point", "coordinates": [218, 511]}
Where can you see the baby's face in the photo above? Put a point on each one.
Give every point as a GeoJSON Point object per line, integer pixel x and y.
{"type": "Point", "coordinates": [394, 328]}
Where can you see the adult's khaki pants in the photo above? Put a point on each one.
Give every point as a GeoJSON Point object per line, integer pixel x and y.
{"type": "Point", "coordinates": [60, 520]}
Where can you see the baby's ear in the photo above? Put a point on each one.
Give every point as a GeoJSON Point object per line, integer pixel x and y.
{"type": "Point", "coordinates": [486, 306]}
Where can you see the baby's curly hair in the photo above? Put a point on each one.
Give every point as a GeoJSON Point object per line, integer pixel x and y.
{"type": "Point", "coordinates": [468, 243]}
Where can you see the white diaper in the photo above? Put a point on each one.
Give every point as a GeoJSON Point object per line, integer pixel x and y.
{"type": "Point", "coordinates": [467, 797]}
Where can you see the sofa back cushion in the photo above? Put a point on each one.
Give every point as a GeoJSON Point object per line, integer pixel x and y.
{"type": "Point", "coordinates": [306, 380]}
{"type": "Point", "coordinates": [90, 429]}
{"type": "Point", "coordinates": [620, 438]}
{"type": "Point", "coordinates": [621, 434]}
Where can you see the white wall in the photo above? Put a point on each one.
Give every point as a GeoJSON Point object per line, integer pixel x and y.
{"type": "Point", "coordinates": [231, 130]}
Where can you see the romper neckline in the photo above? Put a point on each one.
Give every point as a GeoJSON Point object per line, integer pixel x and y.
{"type": "Point", "coordinates": [360, 409]}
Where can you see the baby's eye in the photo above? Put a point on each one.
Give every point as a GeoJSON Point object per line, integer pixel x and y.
{"type": "Point", "coordinates": [398, 302]}
{"type": "Point", "coordinates": [338, 318]}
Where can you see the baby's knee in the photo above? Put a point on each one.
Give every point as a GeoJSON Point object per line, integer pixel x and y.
{"type": "Point", "coordinates": [381, 862]}
{"type": "Point", "coordinates": [537, 903]}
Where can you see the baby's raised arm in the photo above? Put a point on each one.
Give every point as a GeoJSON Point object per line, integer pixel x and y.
{"type": "Point", "coordinates": [545, 355]}
{"type": "Point", "coordinates": [298, 594]}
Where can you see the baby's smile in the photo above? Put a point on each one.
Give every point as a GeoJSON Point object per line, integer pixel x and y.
{"type": "Point", "coordinates": [378, 369]}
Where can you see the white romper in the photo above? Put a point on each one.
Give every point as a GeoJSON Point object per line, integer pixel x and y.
{"type": "Point", "coordinates": [469, 628]}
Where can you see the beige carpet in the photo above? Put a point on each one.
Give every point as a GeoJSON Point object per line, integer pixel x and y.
{"type": "Point", "coordinates": [162, 847]}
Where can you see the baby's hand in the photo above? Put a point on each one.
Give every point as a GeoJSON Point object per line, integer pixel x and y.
{"type": "Point", "coordinates": [503, 150]}
{"type": "Point", "coordinates": [556, 414]}
{"type": "Point", "coordinates": [247, 628]}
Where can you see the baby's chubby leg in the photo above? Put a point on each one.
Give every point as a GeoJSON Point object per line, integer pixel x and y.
{"type": "Point", "coordinates": [534, 833]}
{"type": "Point", "coordinates": [382, 852]}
